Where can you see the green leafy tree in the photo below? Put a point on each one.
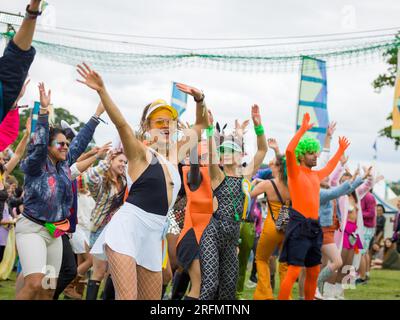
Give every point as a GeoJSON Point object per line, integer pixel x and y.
{"type": "Point", "coordinates": [59, 114]}
{"type": "Point", "coordinates": [388, 79]}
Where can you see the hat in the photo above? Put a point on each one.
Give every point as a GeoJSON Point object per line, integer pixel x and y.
{"type": "Point", "coordinates": [69, 130]}
{"type": "Point", "coordinates": [160, 103]}
{"type": "Point", "coordinates": [229, 144]}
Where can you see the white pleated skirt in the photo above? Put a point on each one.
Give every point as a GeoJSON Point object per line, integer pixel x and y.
{"type": "Point", "coordinates": [136, 233]}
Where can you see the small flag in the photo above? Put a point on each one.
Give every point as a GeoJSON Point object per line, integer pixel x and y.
{"type": "Point", "coordinates": [34, 117]}
{"type": "Point", "coordinates": [376, 150]}
{"type": "Point", "coordinates": [178, 99]}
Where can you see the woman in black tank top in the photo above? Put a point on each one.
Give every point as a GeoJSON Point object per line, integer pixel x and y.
{"type": "Point", "coordinates": [150, 187]}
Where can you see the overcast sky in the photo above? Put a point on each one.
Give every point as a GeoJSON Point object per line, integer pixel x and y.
{"type": "Point", "coordinates": [352, 102]}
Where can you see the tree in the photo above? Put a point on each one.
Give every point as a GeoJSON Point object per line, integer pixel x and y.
{"type": "Point", "coordinates": [59, 114]}
{"type": "Point", "coordinates": [388, 80]}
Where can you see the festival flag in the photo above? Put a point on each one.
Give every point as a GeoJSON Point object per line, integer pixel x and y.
{"type": "Point", "coordinates": [34, 116]}
{"type": "Point", "coordinates": [376, 150]}
{"type": "Point", "coordinates": [178, 99]}
{"type": "Point", "coordinates": [396, 103]}
{"type": "Point", "coordinates": [313, 97]}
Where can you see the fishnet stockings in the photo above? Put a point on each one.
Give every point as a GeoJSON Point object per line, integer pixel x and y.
{"type": "Point", "coordinates": [123, 273]}
{"type": "Point", "coordinates": [131, 281]}
{"type": "Point", "coordinates": [149, 284]}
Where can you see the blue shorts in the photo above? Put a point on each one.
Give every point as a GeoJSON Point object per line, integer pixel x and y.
{"type": "Point", "coordinates": [14, 67]}
{"type": "Point", "coordinates": [302, 246]}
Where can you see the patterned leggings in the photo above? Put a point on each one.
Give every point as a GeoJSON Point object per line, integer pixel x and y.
{"type": "Point", "coordinates": [219, 261]}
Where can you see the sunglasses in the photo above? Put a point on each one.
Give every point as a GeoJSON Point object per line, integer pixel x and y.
{"type": "Point", "coordinates": [61, 144]}
{"type": "Point", "coordinates": [160, 123]}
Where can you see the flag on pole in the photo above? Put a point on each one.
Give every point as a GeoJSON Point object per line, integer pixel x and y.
{"type": "Point", "coordinates": [313, 97]}
{"type": "Point", "coordinates": [178, 99]}
{"type": "Point", "coordinates": [396, 103]}
{"type": "Point", "coordinates": [34, 116]}
{"type": "Point", "coordinates": [376, 150]}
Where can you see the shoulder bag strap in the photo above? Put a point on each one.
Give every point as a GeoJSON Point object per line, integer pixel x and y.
{"type": "Point", "coordinates": [277, 192]}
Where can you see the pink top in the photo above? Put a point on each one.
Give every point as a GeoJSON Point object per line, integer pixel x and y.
{"type": "Point", "coordinates": [368, 206]}
{"type": "Point", "coordinates": [9, 129]}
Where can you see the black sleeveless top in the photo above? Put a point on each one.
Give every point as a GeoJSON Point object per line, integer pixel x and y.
{"type": "Point", "coordinates": [149, 191]}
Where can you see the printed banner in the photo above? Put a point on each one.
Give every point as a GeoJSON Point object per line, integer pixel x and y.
{"type": "Point", "coordinates": [313, 97]}
{"type": "Point", "coordinates": [178, 99]}
{"type": "Point", "coordinates": [396, 103]}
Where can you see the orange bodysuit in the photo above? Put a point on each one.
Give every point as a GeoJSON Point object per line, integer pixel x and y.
{"type": "Point", "coordinates": [304, 183]}
{"type": "Point", "coordinates": [304, 187]}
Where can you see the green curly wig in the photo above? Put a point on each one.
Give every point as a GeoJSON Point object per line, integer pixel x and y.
{"type": "Point", "coordinates": [307, 144]}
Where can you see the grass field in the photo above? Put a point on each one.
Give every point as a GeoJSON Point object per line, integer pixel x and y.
{"type": "Point", "coordinates": [383, 285]}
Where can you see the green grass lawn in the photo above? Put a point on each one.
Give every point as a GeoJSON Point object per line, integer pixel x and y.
{"type": "Point", "coordinates": [383, 285]}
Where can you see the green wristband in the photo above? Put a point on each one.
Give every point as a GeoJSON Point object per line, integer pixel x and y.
{"type": "Point", "coordinates": [259, 130]}
{"type": "Point", "coordinates": [210, 131]}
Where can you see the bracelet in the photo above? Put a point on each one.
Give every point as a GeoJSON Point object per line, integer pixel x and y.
{"type": "Point", "coordinates": [201, 99]}
{"type": "Point", "coordinates": [29, 14]}
{"type": "Point", "coordinates": [210, 131]}
{"type": "Point", "coordinates": [259, 130]}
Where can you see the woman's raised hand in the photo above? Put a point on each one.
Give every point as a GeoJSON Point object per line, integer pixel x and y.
{"type": "Point", "coordinates": [90, 77]}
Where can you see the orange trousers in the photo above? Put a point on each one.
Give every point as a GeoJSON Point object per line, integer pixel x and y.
{"type": "Point", "coordinates": [270, 238]}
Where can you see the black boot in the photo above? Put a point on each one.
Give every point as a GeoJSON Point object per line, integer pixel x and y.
{"type": "Point", "coordinates": [180, 283]}
{"type": "Point", "coordinates": [190, 298]}
{"type": "Point", "coordinates": [253, 276]}
{"type": "Point", "coordinates": [108, 292]}
{"type": "Point", "coordinates": [92, 289]}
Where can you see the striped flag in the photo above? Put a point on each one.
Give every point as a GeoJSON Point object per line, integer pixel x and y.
{"type": "Point", "coordinates": [313, 97]}
{"type": "Point", "coordinates": [178, 99]}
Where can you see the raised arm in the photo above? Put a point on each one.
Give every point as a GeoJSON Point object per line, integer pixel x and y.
{"type": "Point", "coordinates": [85, 164]}
{"type": "Point", "coordinates": [133, 148]}
{"type": "Point", "coordinates": [273, 144]}
{"type": "Point", "coordinates": [193, 135]}
{"type": "Point", "coordinates": [84, 136]}
{"type": "Point", "coordinates": [216, 173]}
{"type": "Point", "coordinates": [330, 166]}
{"type": "Point", "coordinates": [37, 150]}
{"type": "Point", "coordinates": [337, 173]}
{"type": "Point", "coordinates": [363, 189]}
{"type": "Point", "coordinates": [291, 161]}
{"type": "Point", "coordinates": [336, 192]}
{"type": "Point", "coordinates": [262, 146]}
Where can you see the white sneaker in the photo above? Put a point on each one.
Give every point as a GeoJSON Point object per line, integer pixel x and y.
{"type": "Point", "coordinates": [339, 292]}
{"type": "Point", "coordinates": [318, 295]}
{"type": "Point", "coordinates": [329, 291]}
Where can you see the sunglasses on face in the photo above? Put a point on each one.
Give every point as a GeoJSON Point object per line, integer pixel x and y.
{"type": "Point", "coordinates": [160, 123]}
{"type": "Point", "coordinates": [61, 144]}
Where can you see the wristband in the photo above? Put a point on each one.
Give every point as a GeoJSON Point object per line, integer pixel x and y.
{"type": "Point", "coordinates": [210, 131]}
{"type": "Point", "coordinates": [201, 99]}
{"type": "Point", "coordinates": [259, 130]}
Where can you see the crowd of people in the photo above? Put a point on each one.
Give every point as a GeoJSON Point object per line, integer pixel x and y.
{"type": "Point", "coordinates": [155, 210]}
